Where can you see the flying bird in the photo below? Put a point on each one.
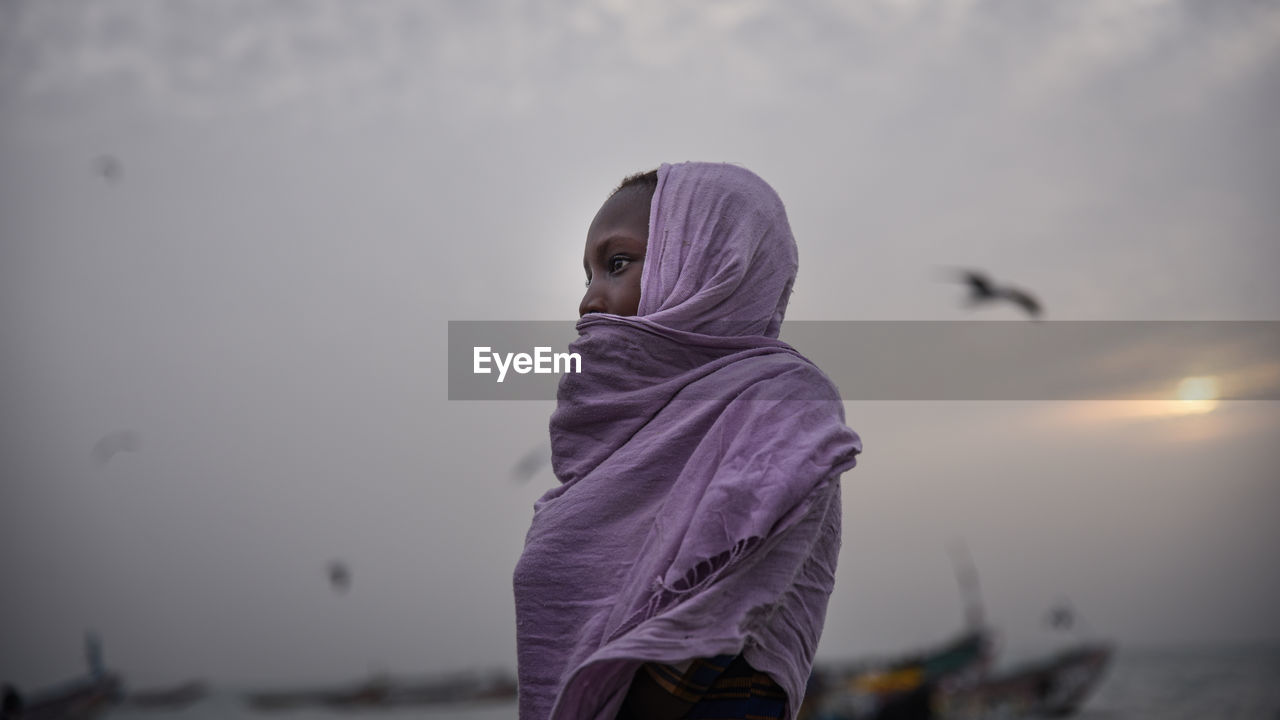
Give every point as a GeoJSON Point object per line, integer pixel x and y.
{"type": "Point", "coordinates": [982, 290]}
{"type": "Point", "coordinates": [116, 442]}
{"type": "Point", "coordinates": [339, 576]}
{"type": "Point", "coordinates": [109, 167]}
{"type": "Point", "coordinates": [531, 464]}
{"type": "Point", "coordinates": [1060, 617]}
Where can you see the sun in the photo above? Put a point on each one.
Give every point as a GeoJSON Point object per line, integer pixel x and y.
{"type": "Point", "coordinates": [1192, 396]}
{"type": "Point", "coordinates": [1198, 389]}
{"type": "Point", "coordinates": [1197, 394]}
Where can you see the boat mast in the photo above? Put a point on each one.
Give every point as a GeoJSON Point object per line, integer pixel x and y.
{"type": "Point", "coordinates": [970, 592]}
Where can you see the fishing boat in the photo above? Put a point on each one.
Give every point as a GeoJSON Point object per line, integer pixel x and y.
{"type": "Point", "coordinates": [1055, 686]}
{"type": "Point", "coordinates": [955, 680]}
{"type": "Point", "coordinates": [169, 699]}
{"type": "Point", "coordinates": [897, 687]}
{"type": "Point", "coordinates": [386, 692]}
{"type": "Point", "coordinates": [81, 698]}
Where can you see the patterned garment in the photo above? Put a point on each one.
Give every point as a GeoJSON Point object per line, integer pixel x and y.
{"type": "Point", "coordinates": [722, 688]}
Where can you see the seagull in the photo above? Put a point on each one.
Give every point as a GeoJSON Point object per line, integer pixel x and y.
{"type": "Point", "coordinates": [1060, 617]}
{"type": "Point", "coordinates": [983, 290]}
{"type": "Point", "coordinates": [109, 167]}
{"type": "Point", "coordinates": [339, 576]}
{"type": "Point", "coordinates": [531, 464]}
{"type": "Point", "coordinates": [112, 443]}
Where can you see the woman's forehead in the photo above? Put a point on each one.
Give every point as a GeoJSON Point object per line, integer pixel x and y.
{"type": "Point", "coordinates": [627, 210]}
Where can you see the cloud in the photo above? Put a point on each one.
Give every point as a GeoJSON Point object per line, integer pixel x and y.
{"type": "Point", "coordinates": [254, 56]}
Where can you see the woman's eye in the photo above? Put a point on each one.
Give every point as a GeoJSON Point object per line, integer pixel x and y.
{"type": "Point", "coordinates": [587, 282]}
{"type": "Point", "coordinates": [616, 264]}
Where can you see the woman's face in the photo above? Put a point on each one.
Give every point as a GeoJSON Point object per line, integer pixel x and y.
{"type": "Point", "coordinates": [614, 255]}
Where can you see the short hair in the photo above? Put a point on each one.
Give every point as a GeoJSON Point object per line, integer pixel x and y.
{"type": "Point", "coordinates": [646, 181]}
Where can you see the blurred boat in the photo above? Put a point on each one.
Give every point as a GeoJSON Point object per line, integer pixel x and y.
{"type": "Point", "coordinates": [954, 681]}
{"type": "Point", "coordinates": [276, 700]}
{"type": "Point", "coordinates": [77, 699]}
{"type": "Point", "coordinates": [168, 699]}
{"type": "Point", "coordinates": [385, 692]}
{"type": "Point", "coordinates": [1052, 687]}
{"type": "Point", "coordinates": [890, 688]}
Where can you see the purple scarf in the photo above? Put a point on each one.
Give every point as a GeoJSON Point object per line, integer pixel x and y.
{"type": "Point", "coordinates": [699, 459]}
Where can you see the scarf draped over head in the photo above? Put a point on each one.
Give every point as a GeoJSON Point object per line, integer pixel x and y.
{"type": "Point", "coordinates": [699, 458]}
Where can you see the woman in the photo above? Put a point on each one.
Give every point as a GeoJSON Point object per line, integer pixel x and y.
{"type": "Point", "coordinates": [682, 567]}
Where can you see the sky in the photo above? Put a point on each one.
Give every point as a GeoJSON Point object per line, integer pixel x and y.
{"type": "Point", "coordinates": [300, 196]}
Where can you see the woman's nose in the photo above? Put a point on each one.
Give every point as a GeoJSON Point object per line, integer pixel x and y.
{"type": "Point", "coordinates": [592, 301]}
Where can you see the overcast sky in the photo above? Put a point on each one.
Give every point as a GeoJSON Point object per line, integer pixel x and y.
{"type": "Point", "coordinates": [303, 194]}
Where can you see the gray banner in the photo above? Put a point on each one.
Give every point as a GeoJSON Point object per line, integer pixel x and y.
{"type": "Point", "coordinates": [924, 360]}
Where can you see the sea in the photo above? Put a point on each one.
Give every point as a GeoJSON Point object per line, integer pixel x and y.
{"type": "Point", "coordinates": [1226, 684]}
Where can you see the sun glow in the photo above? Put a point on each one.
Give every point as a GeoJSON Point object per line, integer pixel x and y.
{"type": "Point", "coordinates": [1196, 395]}
{"type": "Point", "coordinates": [1192, 396]}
